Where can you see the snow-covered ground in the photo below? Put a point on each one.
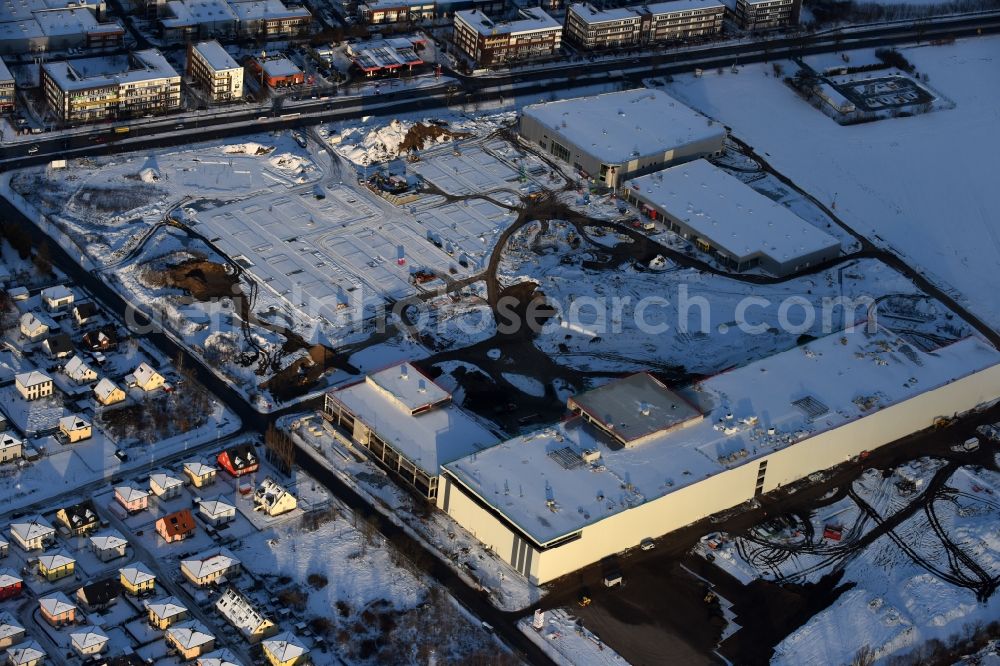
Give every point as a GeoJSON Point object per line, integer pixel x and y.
{"type": "Point", "coordinates": [910, 184]}
{"type": "Point", "coordinates": [568, 643]}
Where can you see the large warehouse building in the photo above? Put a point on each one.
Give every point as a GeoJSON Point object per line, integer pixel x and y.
{"type": "Point", "coordinates": [561, 498]}
{"type": "Point", "coordinates": [730, 220]}
{"type": "Point", "coordinates": [616, 136]}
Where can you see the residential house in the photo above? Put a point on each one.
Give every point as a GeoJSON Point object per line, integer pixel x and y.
{"type": "Point", "coordinates": [201, 475]}
{"type": "Point", "coordinates": [108, 393]}
{"type": "Point", "coordinates": [18, 293]}
{"type": "Point", "coordinates": [223, 657]}
{"type": "Point", "coordinates": [217, 511]}
{"type": "Point", "coordinates": [11, 449]}
{"type": "Point", "coordinates": [133, 499]}
{"type": "Point", "coordinates": [165, 486]}
{"type": "Point", "coordinates": [99, 595]}
{"type": "Point", "coordinates": [11, 584]}
{"type": "Point", "coordinates": [80, 519]}
{"type": "Point", "coordinates": [176, 526]}
{"type": "Point", "coordinates": [102, 340]}
{"type": "Point", "coordinates": [190, 639]}
{"type": "Point", "coordinates": [88, 641]}
{"type": "Point", "coordinates": [56, 298]}
{"type": "Point", "coordinates": [33, 327]}
{"type": "Point", "coordinates": [239, 460]}
{"type": "Point", "coordinates": [83, 313]}
{"type": "Point", "coordinates": [33, 533]}
{"type": "Point", "coordinates": [108, 546]}
{"type": "Point", "coordinates": [78, 371]}
{"type": "Point", "coordinates": [4, 548]}
{"type": "Point", "coordinates": [58, 346]}
{"type": "Point", "coordinates": [55, 566]}
{"type": "Point", "coordinates": [75, 428]}
{"type": "Point", "coordinates": [145, 378]}
{"type": "Point", "coordinates": [33, 385]}
{"type": "Point", "coordinates": [241, 613]}
{"type": "Point", "coordinates": [11, 633]}
{"type": "Point", "coordinates": [210, 568]}
{"type": "Point", "coordinates": [57, 609]}
{"type": "Point", "coordinates": [166, 612]}
{"type": "Point", "coordinates": [137, 579]}
{"type": "Point", "coordinates": [285, 650]}
{"type": "Point", "coordinates": [273, 499]}
{"type": "Point", "coordinates": [26, 654]}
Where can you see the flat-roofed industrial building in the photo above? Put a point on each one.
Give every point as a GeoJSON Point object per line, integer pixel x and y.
{"type": "Point", "coordinates": [620, 135]}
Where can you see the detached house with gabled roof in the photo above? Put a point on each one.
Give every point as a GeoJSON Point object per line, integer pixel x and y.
{"type": "Point", "coordinates": [26, 654]}
{"type": "Point", "coordinates": [57, 346]}
{"type": "Point", "coordinates": [272, 499]}
{"type": "Point", "coordinates": [190, 639]}
{"type": "Point", "coordinates": [57, 609]}
{"type": "Point", "coordinates": [101, 340]}
{"type": "Point", "coordinates": [145, 378]}
{"type": "Point", "coordinates": [108, 393]}
{"type": "Point", "coordinates": [176, 526]}
{"type": "Point", "coordinates": [83, 313]}
{"type": "Point", "coordinates": [56, 298]}
{"type": "Point", "coordinates": [55, 566]}
{"type": "Point", "coordinates": [11, 584]}
{"type": "Point", "coordinates": [201, 475]}
{"type": "Point", "coordinates": [108, 546]}
{"type": "Point", "coordinates": [133, 499]}
{"type": "Point", "coordinates": [88, 641]}
{"type": "Point", "coordinates": [78, 371]}
{"type": "Point", "coordinates": [223, 657]}
{"type": "Point", "coordinates": [137, 579]}
{"type": "Point", "coordinates": [217, 511]}
{"type": "Point", "coordinates": [11, 632]}
{"type": "Point", "coordinates": [239, 460]}
{"type": "Point", "coordinates": [11, 449]}
{"type": "Point", "coordinates": [165, 486]}
{"type": "Point", "coordinates": [209, 568]}
{"type": "Point", "coordinates": [285, 650]}
{"type": "Point", "coordinates": [166, 612]}
{"type": "Point", "coordinates": [101, 594]}
{"type": "Point", "coordinates": [80, 519]}
{"type": "Point", "coordinates": [75, 428]}
{"type": "Point", "coordinates": [241, 613]}
{"type": "Point", "coordinates": [33, 385]}
{"type": "Point", "coordinates": [32, 327]}
{"type": "Point", "coordinates": [32, 533]}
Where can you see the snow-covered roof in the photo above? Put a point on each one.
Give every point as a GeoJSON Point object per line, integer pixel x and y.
{"type": "Point", "coordinates": [531, 19]}
{"type": "Point", "coordinates": [9, 577]}
{"type": "Point", "coordinates": [5, 75]}
{"type": "Point", "coordinates": [73, 422]}
{"type": "Point", "coordinates": [285, 646]}
{"type": "Point", "coordinates": [108, 540]}
{"type": "Point", "coordinates": [192, 12]}
{"type": "Point", "coordinates": [240, 611]}
{"type": "Point", "coordinates": [223, 657]}
{"type": "Point", "coordinates": [674, 6]}
{"type": "Point", "coordinates": [216, 507]}
{"type": "Point", "coordinates": [730, 214]}
{"type": "Point", "coordinates": [408, 387]}
{"type": "Point", "coordinates": [199, 469]}
{"type": "Point", "coordinates": [166, 607]}
{"type": "Point", "coordinates": [25, 653]}
{"type": "Point", "coordinates": [521, 477]}
{"type": "Point", "coordinates": [190, 634]}
{"type": "Point", "coordinates": [33, 378]}
{"type": "Point", "coordinates": [56, 293]}
{"type": "Point", "coordinates": [130, 493]}
{"type": "Point", "coordinates": [592, 15]}
{"type": "Point", "coordinates": [216, 56]}
{"type": "Point", "coordinates": [88, 638]}
{"type": "Point", "coordinates": [165, 481]}
{"type": "Point", "coordinates": [210, 563]}
{"type": "Point", "coordinates": [428, 439]}
{"type": "Point", "coordinates": [105, 388]}
{"type": "Point", "coordinates": [8, 440]}
{"type": "Point", "coordinates": [137, 574]}
{"type": "Point", "coordinates": [621, 126]}
{"type": "Point", "coordinates": [56, 560]}
{"type": "Point", "coordinates": [56, 603]}
{"type": "Point", "coordinates": [143, 373]}
{"type": "Point", "coordinates": [9, 626]}
{"type": "Point", "coordinates": [268, 10]}
{"type": "Point", "coordinates": [278, 65]}
{"type": "Point", "coordinates": [146, 65]}
{"type": "Point", "coordinates": [33, 528]}
{"type": "Point", "coordinates": [33, 323]}
{"type": "Point", "coordinates": [75, 368]}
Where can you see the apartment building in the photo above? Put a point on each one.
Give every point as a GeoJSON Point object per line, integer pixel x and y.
{"type": "Point", "coordinates": [767, 14]}
{"type": "Point", "coordinates": [116, 87]}
{"type": "Point", "coordinates": [215, 71]}
{"type": "Point", "coordinates": [533, 35]}
{"type": "Point", "coordinates": [8, 97]}
{"type": "Point", "coordinates": [591, 28]}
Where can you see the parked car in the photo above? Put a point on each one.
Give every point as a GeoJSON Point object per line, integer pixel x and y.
{"type": "Point", "coordinates": [647, 544]}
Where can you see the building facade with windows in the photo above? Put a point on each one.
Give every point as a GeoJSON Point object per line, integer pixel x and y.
{"type": "Point", "coordinates": [767, 14]}
{"type": "Point", "coordinates": [215, 71]}
{"type": "Point", "coordinates": [488, 43]}
{"type": "Point", "coordinates": [593, 29]}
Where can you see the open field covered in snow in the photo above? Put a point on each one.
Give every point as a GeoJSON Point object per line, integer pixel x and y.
{"type": "Point", "coordinates": [922, 186]}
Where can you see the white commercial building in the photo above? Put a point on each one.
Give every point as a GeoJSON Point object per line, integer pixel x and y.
{"type": "Point", "coordinates": [616, 136]}
{"type": "Point", "coordinates": [569, 495]}
{"type": "Point", "coordinates": [730, 220]}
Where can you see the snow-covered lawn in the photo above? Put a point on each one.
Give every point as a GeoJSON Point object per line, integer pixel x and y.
{"type": "Point", "coordinates": [923, 186]}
